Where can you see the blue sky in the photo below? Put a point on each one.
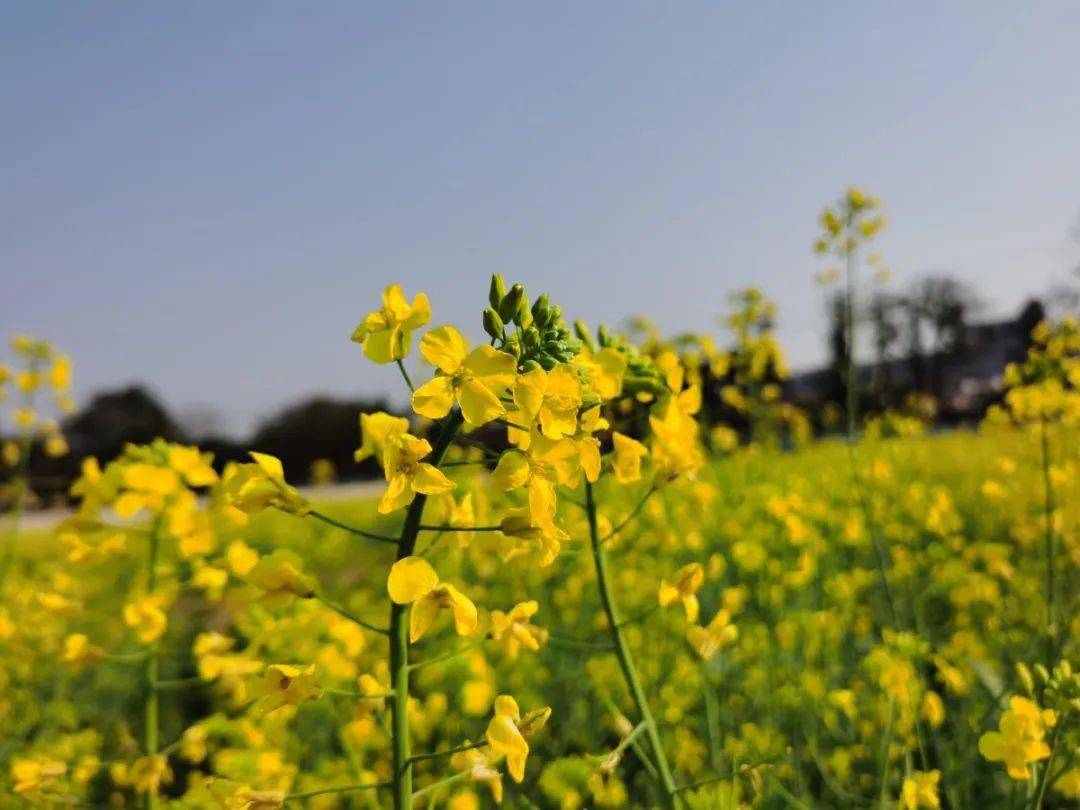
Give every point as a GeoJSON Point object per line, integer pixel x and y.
{"type": "Point", "coordinates": [209, 196]}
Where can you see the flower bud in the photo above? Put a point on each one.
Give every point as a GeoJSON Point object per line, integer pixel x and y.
{"type": "Point", "coordinates": [1024, 674]}
{"type": "Point", "coordinates": [510, 302]}
{"type": "Point", "coordinates": [493, 324]}
{"type": "Point", "coordinates": [602, 334]}
{"type": "Point", "coordinates": [523, 317]}
{"type": "Point", "coordinates": [497, 291]}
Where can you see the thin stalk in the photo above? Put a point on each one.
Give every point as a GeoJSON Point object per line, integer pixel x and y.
{"type": "Point", "coordinates": [1044, 777]}
{"type": "Point", "coordinates": [449, 752]}
{"type": "Point", "coordinates": [399, 633]}
{"type": "Point", "coordinates": [448, 656]}
{"type": "Point", "coordinates": [450, 780]}
{"type": "Point", "coordinates": [622, 652]}
{"type": "Point", "coordinates": [1048, 510]}
{"type": "Point", "coordinates": [347, 615]}
{"type": "Point", "coordinates": [633, 514]}
{"type": "Point", "coordinates": [849, 317]}
{"type": "Point", "coordinates": [382, 538]}
{"type": "Point", "coordinates": [329, 791]}
{"type": "Point", "coordinates": [153, 664]}
{"type": "Point", "coordinates": [425, 528]}
{"type": "Point", "coordinates": [405, 375]}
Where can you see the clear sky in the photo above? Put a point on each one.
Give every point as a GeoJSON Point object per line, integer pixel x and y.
{"type": "Point", "coordinates": [209, 196]}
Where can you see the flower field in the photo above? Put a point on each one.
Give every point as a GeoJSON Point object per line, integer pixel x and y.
{"type": "Point", "coordinates": [610, 604]}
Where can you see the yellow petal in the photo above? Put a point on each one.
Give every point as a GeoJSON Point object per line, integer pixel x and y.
{"type": "Point", "coordinates": [269, 465]}
{"type": "Point", "coordinates": [444, 348]}
{"type": "Point", "coordinates": [421, 312]}
{"type": "Point", "coordinates": [434, 398]}
{"type": "Point", "coordinates": [387, 345]}
{"type": "Point", "coordinates": [512, 471]}
{"type": "Point", "coordinates": [464, 611]}
{"type": "Point", "coordinates": [421, 616]}
{"type": "Point", "coordinates": [398, 494]}
{"type": "Point", "coordinates": [431, 481]}
{"type": "Point", "coordinates": [410, 578]}
{"type": "Point", "coordinates": [479, 405]}
{"type": "Point", "coordinates": [529, 392]}
{"type": "Point", "coordinates": [496, 369]}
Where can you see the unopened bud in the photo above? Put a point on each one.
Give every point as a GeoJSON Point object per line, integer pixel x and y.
{"type": "Point", "coordinates": [493, 324]}
{"type": "Point", "coordinates": [510, 302]}
{"type": "Point", "coordinates": [497, 291]}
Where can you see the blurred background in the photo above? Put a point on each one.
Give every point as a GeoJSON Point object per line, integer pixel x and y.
{"type": "Point", "coordinates": [201, 201]}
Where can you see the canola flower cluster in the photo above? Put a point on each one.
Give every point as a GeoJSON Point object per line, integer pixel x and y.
{"type": "Point", "coordinates": [566, 595]}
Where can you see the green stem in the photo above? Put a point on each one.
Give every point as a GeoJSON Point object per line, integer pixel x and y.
{"type": "Point", "coordinates": [622, 652]}
{"type": "Point", "coordinates": [1044, 777]}
{"type": "Point", "coordinates": [425, 528]}
{"type": "Point", "coordinates": [454, 654]}
{"type": "Point", "coordinates": [329, 791]}
{"type": "Point", "coordinates": [1048, 509]}
{"type": "Point", "coordinates": [450, 780]}
{"type": "Point", "coordinates": [347, 615]}
{"type": "Point", "coordinates": [852, 372]}
{"type": "Point", "coordinates": [633, 514]}
{"type": "Point", "coordinates": [382, 538]}
{"type": "Point", "coordinates": [405, 375]}
{"type": "Point", "coordinates": [399, 633]}
{"type": "Point", "coordinates": [153, 664]}
{"type": "Point", "coordinates": [449, 752]}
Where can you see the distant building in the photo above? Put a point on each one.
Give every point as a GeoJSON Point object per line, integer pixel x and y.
{"type": "Point", "coordinates": [964, 379]}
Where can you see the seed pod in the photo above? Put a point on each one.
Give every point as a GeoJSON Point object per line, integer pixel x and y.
{"type": "Point", "coordinates": [493, 324]}
{"type": "Point", "coordinates": [497, 291]}
{"type": "Point", "coordinates": [510, 302]}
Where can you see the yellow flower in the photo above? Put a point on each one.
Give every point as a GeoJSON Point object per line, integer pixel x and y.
{"type": "Point", "coordinates": [374, 428]}
{"type": "Point", "coordinates": [254, 487]}
{"type": "Point", "coordinates": [520, 523]}
{"type": "Point", "coordinates": [24, 417]}
{"type": "Point", "coordinates": [675, 440]}
{"type": "Point", "coordinates": [406, 475]}
{"type": "Point", "coordinates": [479, 767]}
{"type": "Point", "coordinates": [709, 640]}
{"type": "Point", "coordinates": [626, 460]}
{"type": "Point", "coordinates": [147, 486]}
{"type": "Point", "coordinates": [147, 617]}
{"type": "Point", "coordinates": [545, 464]}
{"type": "Point", "coordinates": [284, 685]}
{"type": "Point", "coordinates": [920, 790]}
{"type": "Point", "coordinates": [235, 796]}
{"type": "Point", "coordinates": [475, 379]}
{"type": "Point", "coordinates": [60, 373]}
{"type": "Point", "coordinates": [148, 774]}
{"type": "Point", "coordinates": [280, 574]}
{"type": "Point", "coordinates": [552, 397]}
{"type": "Point", "coordinates": [413, 581]}
{"type": "Point", "coordinates": [1018, 741]}
{"type": "Point", "coordinates": [604, 371]}
{"type": "Point", "coordinates": [192, 465]}
{"type": "Point", "coordinates": [78, 652]}
{"type": "Point", "coordinates": [386, 333]}
{"type": "Point", "coordinates": [507, 730]}
{"type": "Point", "coordinates": [33, 776]}
{"type": "Point", "coordinates": [683, 587]}
{"type": "Point", "coordinates": [515, 630]}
